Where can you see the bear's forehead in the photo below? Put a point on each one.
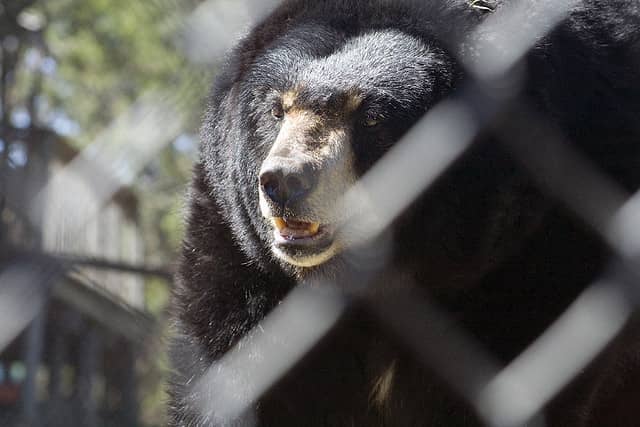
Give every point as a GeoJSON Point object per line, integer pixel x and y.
{"type": "Point", "coordinates": [389, 62]}
{"type": "Point", "coordinates": [383, 59]}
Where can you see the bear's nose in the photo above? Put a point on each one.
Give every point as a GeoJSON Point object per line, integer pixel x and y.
{"type": "Point", "coordinates": [285, 183]}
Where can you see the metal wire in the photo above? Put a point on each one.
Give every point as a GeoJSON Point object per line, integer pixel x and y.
{"type": "Point", "coordinates": [509, 395]}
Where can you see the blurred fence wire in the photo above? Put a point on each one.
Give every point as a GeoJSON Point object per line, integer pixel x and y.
{"type": "Point", "coordinates": [504, 396]}
{"type": "Point", "coordinates": [515, 394]}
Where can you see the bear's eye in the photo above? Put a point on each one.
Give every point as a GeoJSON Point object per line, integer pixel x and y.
{"type": "Point", "coordinates": [371, 120]}
{"type": "Point", "coordinates": [277, 111]}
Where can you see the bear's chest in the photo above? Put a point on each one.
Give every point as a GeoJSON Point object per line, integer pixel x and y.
{"type": "Point", "coordinates": [359, 377]}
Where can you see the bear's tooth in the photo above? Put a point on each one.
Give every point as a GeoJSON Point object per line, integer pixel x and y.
{"type": "Point", "coordinates": [279, 223]}
{"type": "Point", "coordinates": [313, 227]}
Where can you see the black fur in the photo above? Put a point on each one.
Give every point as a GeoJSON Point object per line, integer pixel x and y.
{"type": "Point", "coordinates": [495, 250]}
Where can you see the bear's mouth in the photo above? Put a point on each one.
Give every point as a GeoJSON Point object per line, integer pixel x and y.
{"type": "Point", "coordinates": [290, 230]}
{"type": "Point", "coordinates": [302, 243]}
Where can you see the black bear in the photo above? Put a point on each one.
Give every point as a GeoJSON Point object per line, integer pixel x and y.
{"type": "Point", "coordinates": [304, 106]}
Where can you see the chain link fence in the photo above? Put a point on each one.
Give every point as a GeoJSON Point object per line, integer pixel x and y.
{"type": "Point", "coordinates": [502, 394]}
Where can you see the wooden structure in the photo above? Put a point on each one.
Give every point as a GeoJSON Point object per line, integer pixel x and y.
{"type": "Point", "coordinates": [74, 363]}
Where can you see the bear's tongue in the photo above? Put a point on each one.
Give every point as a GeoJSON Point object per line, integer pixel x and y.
{"type": "Point", "coordinates": [292, 229]}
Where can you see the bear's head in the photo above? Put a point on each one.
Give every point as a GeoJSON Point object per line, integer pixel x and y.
{"type": "Point", "coordinates": [323, 121]}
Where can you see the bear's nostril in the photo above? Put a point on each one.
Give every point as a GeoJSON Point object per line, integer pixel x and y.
{"type": "Point", "coordinates": [270, 183]}
{"type": "Point", "coordinates": [271, 188]}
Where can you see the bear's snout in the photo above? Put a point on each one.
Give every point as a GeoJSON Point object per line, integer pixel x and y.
{"type": "Point", "coordinates": [285, 182]}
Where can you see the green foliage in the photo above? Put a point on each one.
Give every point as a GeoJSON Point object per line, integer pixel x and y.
{"type": "Point", "coordinates": [156, 296]}
{"type": "Point", "coordinates": [110, 52]}
{"type": "Point", "coordinates": [89, 61]}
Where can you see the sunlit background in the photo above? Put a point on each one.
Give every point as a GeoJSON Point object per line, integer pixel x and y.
{"type": "Point", "coordinates": [100, 102]}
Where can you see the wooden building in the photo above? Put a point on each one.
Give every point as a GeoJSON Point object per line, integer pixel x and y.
{"type": "Point", "coordinates": [79, 325]}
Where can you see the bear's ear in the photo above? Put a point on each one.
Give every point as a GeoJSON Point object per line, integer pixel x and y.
{"type": "Point", "coordinates": [484, 6]}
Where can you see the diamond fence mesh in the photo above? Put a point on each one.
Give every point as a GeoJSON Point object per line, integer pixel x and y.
{"type": "Point", "coordinates": [502, 394]}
